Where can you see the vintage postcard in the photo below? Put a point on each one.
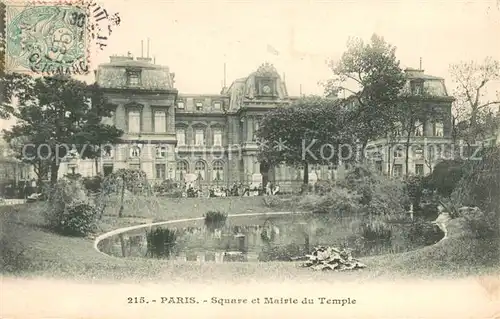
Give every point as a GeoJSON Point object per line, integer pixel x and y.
{"type": "Point", "coordinates": [247, 159]}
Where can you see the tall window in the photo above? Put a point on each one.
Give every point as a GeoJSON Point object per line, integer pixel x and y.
{"type": "Point", "coordinates": [199, 137]}
{"type": "Point", "coordinates": [199, 106]}
{"type": "Point", "coordinates": [332, 168]}
{"type": "Point", "coordinates": [161, 151]}
{"type": "Point", "coordinates": [181, 137]}
{"type": "Point", "coordinates": [217, 105]}
{"type": "Point", "coordinates": [134, 121]}
{"type": "Point", "coordinates": [180, 105]}
{"type": "Point", "coordinates": [218, 171]}
{"type": "Point", "coordinates": [438, 129]}
{"type": "Point", "coordinates": [200, 170]}
{"type": "Point", "coordinates": [181, 170]}
{"type": "Point", "coordinates": [255, 129]}
{"type": "Point", "coordinates": [217, 137]}
{"type": "Point", "coordinates": [160, 121]}
{"type": "Point", "coordinates": [160, 171]}
{"type": "Point", "coordinates": [398, 170]}
{"type": "Point", "coordinates": [419, 169]}
{"type": "Point", "coordinates": [419, 129]}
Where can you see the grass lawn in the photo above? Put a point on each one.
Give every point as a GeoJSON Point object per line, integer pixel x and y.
{"type": "Point", "coordinates": [31, 250]}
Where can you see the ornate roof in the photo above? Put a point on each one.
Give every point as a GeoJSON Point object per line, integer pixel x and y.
{"type": "Point", "coordinates": [244, 88]}
{"type": "Point", "coordinates": [267, 70]}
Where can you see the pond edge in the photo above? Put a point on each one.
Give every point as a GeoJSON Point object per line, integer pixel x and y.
{"type": "Point", "coordinates": [129, 228]}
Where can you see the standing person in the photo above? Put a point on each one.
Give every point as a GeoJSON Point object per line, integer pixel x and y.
{"type": "Point", "coordinates": [268, 188]}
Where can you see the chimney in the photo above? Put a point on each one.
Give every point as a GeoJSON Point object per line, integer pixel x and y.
{"type": "Point", "coordinates": [148, 49]}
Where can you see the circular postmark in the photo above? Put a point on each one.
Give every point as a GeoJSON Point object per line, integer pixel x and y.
{"type": "Point", "coordinates": [45, 39]}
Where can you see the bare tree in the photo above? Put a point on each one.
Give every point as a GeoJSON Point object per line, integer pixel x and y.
{"type": "Point", "coordinates": [475, 100]}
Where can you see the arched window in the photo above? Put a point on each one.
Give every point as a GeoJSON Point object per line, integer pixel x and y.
{"type": "Point", "coordinates": [218, 171]}
{"type": "Point", "coordinates": [135, 151]}
{"type": "Point", "coordinates": [200, 170]}
{"type": "Point", "coordinates": [181, 170]}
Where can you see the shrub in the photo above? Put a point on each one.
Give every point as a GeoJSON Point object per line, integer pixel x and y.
{"type": "Point", "coordinates": [93, 184]}
{"type": "Point", "coordinates": [69, 211]}
{"type": "Point", "coordinates": [281, 253]}
{"type": "Point", "coordinates": [481, 225]}
{"type": "Point", "coordinates": [480, 185]}
{"type": "Point", "coordinates": [78, 219]}
{"type": "Point", "coordinates": [380, 195]}
{"type": "Point", "coordinates": [445, 177]}
{"type": "Point", "coordinates": [173, 193]}
{"type": "Point", "coordinates": [161, 242]}
{"type": "Point", "coordinates": [339, 201]}
{"type": "Point", "coordinates": [215, 220]}
{"type": "Point", "coordinates": [422, 233]}
{"type": "Point", "coordinates": [277, 202]}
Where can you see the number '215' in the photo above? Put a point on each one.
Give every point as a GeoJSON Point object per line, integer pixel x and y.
{"type": "Point", "coordinates": [136, 300]}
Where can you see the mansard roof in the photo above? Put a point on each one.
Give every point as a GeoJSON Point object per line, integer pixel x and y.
{"type": "Point", "coordinates": [244, 88]}
{"type": "Point", "coordinates": [153, 77]}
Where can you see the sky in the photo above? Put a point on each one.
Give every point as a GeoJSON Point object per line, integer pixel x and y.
{"type": "Point", "coordinates": [196, 38]}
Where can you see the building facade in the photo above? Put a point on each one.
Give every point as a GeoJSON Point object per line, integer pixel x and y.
{"type": "Point", "coordinates": [210, 139]}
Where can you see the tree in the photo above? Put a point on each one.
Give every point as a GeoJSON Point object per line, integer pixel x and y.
{"type": "Point", "coordinates": [371, 73]}
{"type": "Point", "coordinates": [124, 179]}
{"type": "Point", "coordinates": [307, 132]}
{"type": "Point", "coordinates": [473, 109]}
{"type": "Point", "coordinates": [55, 115]}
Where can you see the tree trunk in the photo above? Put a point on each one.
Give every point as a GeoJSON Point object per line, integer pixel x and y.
{"type": "Point", "coordinates": [407, 155]}
{"type": "Point", "coordinates": [54, 170]}
{"type": "Point", "coordinates": [306, 176]}
{"type": "Point", "coordinates": [120, 212]}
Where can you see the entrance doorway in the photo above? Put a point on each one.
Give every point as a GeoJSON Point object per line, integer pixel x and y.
{"type": "Point", "coordinates": [107, 169]}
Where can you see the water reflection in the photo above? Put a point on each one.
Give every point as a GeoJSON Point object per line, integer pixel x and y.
{"type": "Point", "coordinates": [275, 238]}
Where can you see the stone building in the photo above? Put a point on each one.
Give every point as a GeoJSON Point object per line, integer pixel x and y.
{"type": "Point", "coordinates": [205, 139]}
{"type": "Point", "coordinates": [210, 139]}
{"type": "Point", "coordinates": [430, 137]}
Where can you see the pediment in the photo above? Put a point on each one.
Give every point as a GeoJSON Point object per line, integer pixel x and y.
{"type": "Point", "coordinates": [134, 104]}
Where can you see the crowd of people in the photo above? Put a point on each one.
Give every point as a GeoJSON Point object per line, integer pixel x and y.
{"type": "Point", "coordinates": [237, 189]}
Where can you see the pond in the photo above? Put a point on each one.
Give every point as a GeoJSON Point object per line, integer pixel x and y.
{"type": "Point", "coordinates": [270, 238]}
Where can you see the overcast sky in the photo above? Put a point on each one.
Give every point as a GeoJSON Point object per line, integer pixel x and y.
{"type": "Point", "coordinates": [195, 38]}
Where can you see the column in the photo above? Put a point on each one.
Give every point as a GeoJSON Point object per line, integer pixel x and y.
{"type": "Point", "coordinates": [147, 117]}
{"type": "Point", "coordinates": [171, 120]}
{"type": "Point", "coordinates": [249, 129]}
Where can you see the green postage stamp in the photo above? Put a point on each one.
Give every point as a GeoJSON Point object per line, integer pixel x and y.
{"type": "Point", "coordinates": [46, 37]}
